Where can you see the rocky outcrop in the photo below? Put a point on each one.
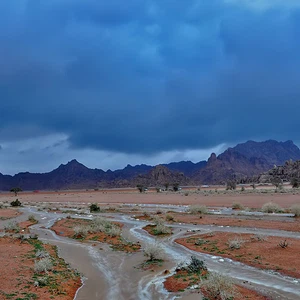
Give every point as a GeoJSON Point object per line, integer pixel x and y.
{"type": "Point", "coordinates": [291, 169]}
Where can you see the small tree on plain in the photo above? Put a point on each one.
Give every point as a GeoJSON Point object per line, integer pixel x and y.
{"type": "Point", "coordinates": [141, 188]}
{"type": "Point", "coordinates": [175, 187]}
{"type": "Point", "coordinates": [276, 181]}
{"type": "Point", "coordinates": [295, 182]}
{"type": "Point", "coordinates": [231, 185]}
{"type": "Point", "coordinates": [16, 190]}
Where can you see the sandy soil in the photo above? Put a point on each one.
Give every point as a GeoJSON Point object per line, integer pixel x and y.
{"type": "Point", "coordinates": [283, 223]}
{"type": "Point", "coordinates": [266, 254]}
{"type": "Point", "coordinates": [65, 227]}
{"type": "Point", "coordinates": [253, 200]}
{"type": "Point", "coordinates": [8, 213]}
{"type": "Point", "coordinates": [17, 274]}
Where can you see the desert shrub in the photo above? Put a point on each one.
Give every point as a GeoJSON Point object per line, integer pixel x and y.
{"type": "Point", "coordinates": [113, 231]}
{"type": "Point", "coordinates": [154, 252]}
{"type": "Point", "coordinates": [200, 242]}
{"type": "Point", "coordinates": [32, 218]}
{"type": "Point", "coordinates": [43, 265]}
{"type": "Point", "coordinates": [242, 189]}
{"type": "Point", "coordinates": [81, 231]}
{"type": "Point", "coordinates": [259, 237]}
{"type": "Point", "coordinates": [218, 286]}
{"type": "Point", "coordinates": [157, 220]}
{"type": "Point", "coordinates": [103, 225]}
{"type": "Point", "coordinates": [235, 243]}
{"type": "Point", "coordinates": [186, 194]}
{"type": "Point", "coordinates": [198, 209]}
{"type": "Point", "coordinates": [169, 217]}
{"type": "Point", "coordinates": [237, 205]}
{"type": "Point", "coordinates": [161, 229]}
{"type": "Point", "coordinates": [283, 244]}
{"type": "Point", "coordinates": [94, 208]}
{"type": "Point", "coordinates": [42, 281]}
{"type": "Point", "coordinates": [195, 265]}
{"type": "Point", "coordinates": [41, 254]}
{"type": "Point", "coordinates": [271, 207]}
{"type": "Point", "coordinates": [15, 203]}
{"type": "Point", "coordinates": [295, 209]}
{"type": "Point", "coordinates": [12, 226]}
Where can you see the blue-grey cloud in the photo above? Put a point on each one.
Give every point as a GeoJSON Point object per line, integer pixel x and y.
{"type": "Point", "coordinates": [149, 76]}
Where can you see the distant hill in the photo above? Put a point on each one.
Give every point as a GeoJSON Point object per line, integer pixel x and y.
{"type": "Point", "coordinates": [246, 160]}
{"type": "Point", "coordinates": [240, 162]}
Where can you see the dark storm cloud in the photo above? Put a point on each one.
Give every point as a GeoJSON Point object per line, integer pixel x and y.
{"type": "Point", "coordinates": [147, 76]}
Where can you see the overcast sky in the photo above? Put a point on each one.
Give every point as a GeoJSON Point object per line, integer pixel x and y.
{"type": "Point", "coordinates": [152, 81]}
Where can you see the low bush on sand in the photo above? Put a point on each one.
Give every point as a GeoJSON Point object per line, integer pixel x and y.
{"type": "Point", "coordinates": [271, 207]}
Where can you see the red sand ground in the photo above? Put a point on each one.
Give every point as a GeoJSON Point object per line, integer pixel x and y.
{"type": "Point", "coordinates": [8, 213]}
{"type": "Point", "coordinates": [260, 254]}
{"type": "Point", "coordinates": [255, 200]}
{"type": "Point", "coordinates": [286, 223]}
{"type": "Point", "coordinates": [65, 227]}
{"type": "Point", "coordinates": [16, 276]}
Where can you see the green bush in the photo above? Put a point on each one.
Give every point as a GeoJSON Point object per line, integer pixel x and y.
{"type": "Point", "coordinates": [15, 203]}
{"type": "Point", "coordinates": [94, 208]}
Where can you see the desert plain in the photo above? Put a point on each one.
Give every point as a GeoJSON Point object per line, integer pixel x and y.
{"type": "Point", "coordinates": [121, 244]}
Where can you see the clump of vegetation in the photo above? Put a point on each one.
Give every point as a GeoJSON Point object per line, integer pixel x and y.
{"type": "Point", "coordinates": [242, 189]}
{"type": "Point", "coordinates": [198, 209]}
{"type": "Point", "coordinates": [276, 181]}
{"type": "Point", "coordinates": [200, 242]}
{"type": "Point", "coordinates": [169, 218]}
{"type": "Point", "coordinates": [218, 286]}
{"type": "Point", "coordinates": [161, 229]}
{"type": "Point", "coordinates": [237, 205]}
{"type": "Point", "coordinates": [283, 244]}
{"type": "Point", "coordinates": [295, 182]}
{"type": "Point", "coordinates": [103, 225]}
{"type": "Point", "coordinates": [32, 219]}
{"type": "Point", "coordinates": [141, 188]}
{"type": "Point", "coordinates": [154, 252]}
{"type": "Point", "coordinates": [295, 209]}
{"type": "Point", "coordinates": [231, 185]}
{"type": "Point", "coordinates": [15, 203]}
{"type": "Point", "coordinates": [235, 243]}
{"type": "Point", "coordinates": [12, 226]}
{"type": "Point", "coordinates": [81, 231]}
{"type": "Point", "coordinates": [259, 237]}
{"type": "Point", "coordinates": [94, 208]}
{"type": "Point", "coordinates": [271, 207]}
{"type": "Point", "coordinates": [43, 265]}
{"type": "Point", "coordinates": [176, 187]}
{"type": "Point", "coordinates": [195, 265]}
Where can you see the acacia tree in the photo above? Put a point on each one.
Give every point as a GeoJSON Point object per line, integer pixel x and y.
{"type": "Point", "coordinates": [16, 190]}
{"type": "Point", "coordinates": [295, 182]}
{"type": "Point", "coordinates": [276, 181]}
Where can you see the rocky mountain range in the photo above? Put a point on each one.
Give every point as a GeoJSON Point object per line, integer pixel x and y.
{"type": "Point", "coordinates": [239, 163]}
